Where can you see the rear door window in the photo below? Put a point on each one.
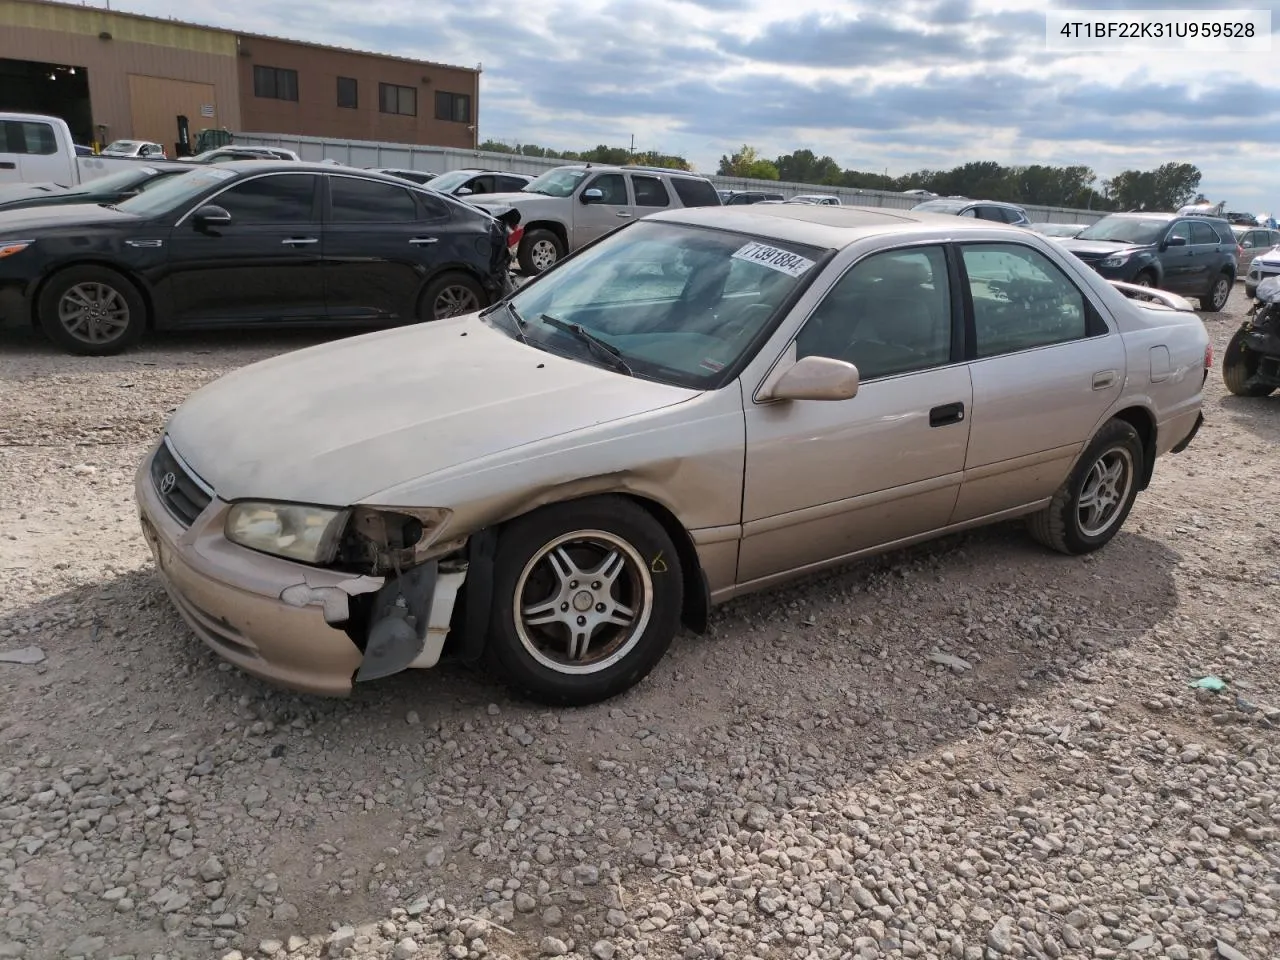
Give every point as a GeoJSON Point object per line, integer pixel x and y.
{"type": "Point", "coordinates": [367, 201]}
{"type": "Point", "coordinates": [27, 137]}
{"type": "Point", "coordinates": [695, 193]}
{"type": "Point", "coordinates": [649, 192]}
{"type": "Point", "coordinates": [1202, 233]}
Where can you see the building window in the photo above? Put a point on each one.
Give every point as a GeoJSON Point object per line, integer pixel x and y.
{"type": "Point", "coordinates": [453, 106]}
{"type": "Point", "coordinates": [348, 92]}
{"type": "Point", "coordinates": [394, 99]}
{"type": "Point", "coordinates": [275, 83]}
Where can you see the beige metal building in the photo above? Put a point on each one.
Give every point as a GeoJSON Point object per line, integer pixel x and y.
{"type": "Point", "coordinates": [115, 75]}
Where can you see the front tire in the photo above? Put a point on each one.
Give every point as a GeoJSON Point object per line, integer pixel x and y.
{"type": "Point", "coordinates": [1092, 505]}
{"type": "Point", "coordinates": [587, 599]}
{"type": "Point", "coordinates": [1239, 366]}
{"type": "Point", "coordinates": [540, 250]}
{"type": "Point", "coordinates": [91, 311]}
{"type": "Point", "coordinates": [1216, 298]}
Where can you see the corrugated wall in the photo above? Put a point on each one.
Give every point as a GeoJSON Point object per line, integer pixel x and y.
{"type": "Point", "coordinates": [70, 35]}
{"type": "Point", "coordinates": [363, 153]}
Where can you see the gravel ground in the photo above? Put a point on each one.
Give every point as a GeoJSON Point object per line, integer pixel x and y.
{"type": "Point", "coordinates": [802, 782]}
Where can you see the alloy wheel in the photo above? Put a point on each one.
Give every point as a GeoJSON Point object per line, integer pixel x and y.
{"type": "Point", "coordinates": [1104, 492]}
{"type": "Point", "coordinates": [583, 601]}
{"type": "Point", "coordinates": [454, 301]}
{"type": "Point", "coordinates": [1221, 290]}
{"type": "Point", "coordinates": [543, 255]}
{"type": "Point", "coordinates": [94, 313]}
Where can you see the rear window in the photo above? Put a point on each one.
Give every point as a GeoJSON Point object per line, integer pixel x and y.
{"type": "Point", "coordinates": [1225, 232]}
{"type": "Point", "coordinates": [695, 193]}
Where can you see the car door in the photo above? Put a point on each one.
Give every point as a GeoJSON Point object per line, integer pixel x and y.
{"type": "Point", "coordinates": [593, 218]}
{"type": "Point", "coordinates": [1045, 369]}
{"type": "Point", "coordinates": [506, 184]}
{"type": "Point", "coordinates": [827, 479]}
{"type": "Point", "coordinates": [381, 243]}
{"type": "Point", "coordinates": [1178, 256]}
{"type": "Point", "coordinates": [29, 154]}
{"type": "Point", "coordinates": [264, 265]}
{"type": "Point", "coordinates": [1206, 258]}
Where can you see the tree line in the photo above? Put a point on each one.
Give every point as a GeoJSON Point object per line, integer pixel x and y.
{"type": "Point", "coordinates": [602, 153]}
{"type": "Point", "coordinates": [1167, 187]}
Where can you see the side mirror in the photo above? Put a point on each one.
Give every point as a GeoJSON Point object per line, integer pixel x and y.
{"type": "Point", "coordinates": [594, 195]}
{"type": "Point", "coordinates": [463, 192]}
{"type": "Point", "coordinates": [211, 216]}
{"type": "Point", "coordinates": [1176, 242]}
{"type": "Point", "coordinates": [816, 378]}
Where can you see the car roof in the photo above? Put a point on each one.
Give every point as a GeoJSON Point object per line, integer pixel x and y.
{"type": "Point", "coordinates": [831, 227]}
{"type": "Point", "coordinates": [305, 166]}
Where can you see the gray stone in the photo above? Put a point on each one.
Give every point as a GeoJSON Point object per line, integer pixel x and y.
{"type": "Point", "coordinates": [552, 947]}
{"type": "Point", "coordinates": [406, 949]}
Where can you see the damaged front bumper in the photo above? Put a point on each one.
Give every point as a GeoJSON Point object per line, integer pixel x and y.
{"type": "Point", "coordinates": [309, 629]}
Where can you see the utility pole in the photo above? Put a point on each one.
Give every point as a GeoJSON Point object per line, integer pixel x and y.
{"type": "Point", "coordinates": [633, 145]}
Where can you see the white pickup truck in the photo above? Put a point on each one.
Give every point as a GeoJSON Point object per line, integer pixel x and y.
{"type": "Point", "coordinates": [39, 149]}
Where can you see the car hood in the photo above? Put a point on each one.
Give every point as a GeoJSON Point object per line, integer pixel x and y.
{"type": "Point", "coordinates": [29, 191]}
{"type": "Point", "coordinates": [506, 199]}
{"type": "Point", "coordinates": [1099, 247]}
{"type": "Point", "coordinates": [61, 216]}
{"type": "Point", "coordinates": [338, 423]}
{"type": "Point", "coordinates": [1270, 257]}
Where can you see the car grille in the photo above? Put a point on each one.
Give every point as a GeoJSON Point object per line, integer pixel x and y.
{"type": "Point", "coordinates": [1090, 258]}
{"type": "Point", "coordinates": [183, 494]}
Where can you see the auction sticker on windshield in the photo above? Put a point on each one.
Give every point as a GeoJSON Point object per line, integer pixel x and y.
{"type": "Point", "coordinates": [775, 258]}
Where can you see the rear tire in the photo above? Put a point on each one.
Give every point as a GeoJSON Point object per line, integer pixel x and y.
{"type": "Point", "coordinates": [451, 295]}
{"type": "Point", "coordinates": [1092, 505]}
{"type": "Point", "coordinates": [539, 250]}
{"type": "Point", "coordinates": [587, 597]}
{"type": "Point", "coordinates": [1239, 365]}
{"type": "Point", "coordinates": [1216, 298]}
{"type": "Point", "coordinates": [1145, 279]}
{"type": "Point", "coordinates": [91, 311]}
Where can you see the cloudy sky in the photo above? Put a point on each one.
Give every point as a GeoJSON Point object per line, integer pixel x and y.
{"type": "Point", "coordinates": [878, 85]}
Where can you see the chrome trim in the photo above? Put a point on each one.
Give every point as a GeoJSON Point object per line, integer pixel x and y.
{"type": "Point", "coordinates": [195, 477]}
{"type": "Point", "coordinates": [150, 244]}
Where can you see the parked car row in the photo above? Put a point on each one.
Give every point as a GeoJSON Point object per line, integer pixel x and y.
{"type": "Point", "coordinates": [249, 242]}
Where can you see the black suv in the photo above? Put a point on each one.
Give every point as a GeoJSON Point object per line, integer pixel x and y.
{"type": "Point", "coordinates": [1190, 255]}
{"type": "Point", "coordinates": [736, 197]}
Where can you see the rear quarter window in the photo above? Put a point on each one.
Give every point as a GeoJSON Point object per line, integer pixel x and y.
{"type": "Point", "coordinates": [695, 193]}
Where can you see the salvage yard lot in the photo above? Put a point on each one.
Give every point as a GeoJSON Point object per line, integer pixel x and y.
{"type": "Point", "coordinates": [801, 782]}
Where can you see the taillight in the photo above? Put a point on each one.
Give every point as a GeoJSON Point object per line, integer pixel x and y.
{"type": "Point", "coordinates": [514, 237]}
{"type": "Point", "coordinates": [1208, 356]}
{"type": "Point", "coordinates": [1239, 250]}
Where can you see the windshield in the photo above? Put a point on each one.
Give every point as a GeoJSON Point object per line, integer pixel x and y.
{"type": "Point", "coordinates": [941, 206]}
{"type": "Point", "coordinates": [680, 304]}
{"type": "Point", "coordinates": [1125, 230]}
{"type": "Point", "coordinates": [173, 192]}
{"type": "Point", "coordinates": [560, 182]}
{"type": "Point", "coordinates": [121, 146]}
{"type": "Point", "coordinates": [448, 182]}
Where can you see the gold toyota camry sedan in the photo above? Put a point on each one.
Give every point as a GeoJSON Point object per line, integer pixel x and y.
{"type": "Point", "coordinates": [703, 403]}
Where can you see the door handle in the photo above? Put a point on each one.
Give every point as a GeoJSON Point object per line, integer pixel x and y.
{"type": "Point", "coordinates": [299, 241]}
{"type": "Point", "coordinates": [946, 414]}
{"type": "Point", "coordinates": [1103, 379]}
{"type": "Point", "coordinates": [8, 165]}
{"type": "Point", "coordinates": [622, 213]}
{"type": "Point", "coordinates": [423, 241]}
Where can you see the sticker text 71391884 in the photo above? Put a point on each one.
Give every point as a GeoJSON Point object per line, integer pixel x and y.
{"type": "Point", "coordinates": [775, 258]}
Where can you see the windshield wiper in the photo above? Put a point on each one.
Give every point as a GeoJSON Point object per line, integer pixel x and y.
{"type": "Point", "coordinates": [605, 351]}
{"type": "Point", "coordinates": [521, 323]}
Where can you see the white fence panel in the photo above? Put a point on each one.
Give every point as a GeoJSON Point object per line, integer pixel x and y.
{"type": "Point", "coordinates": [369, 153]}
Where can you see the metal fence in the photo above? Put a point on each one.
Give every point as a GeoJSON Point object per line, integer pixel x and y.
{"type": "Point", "coordinates": [404, 156]}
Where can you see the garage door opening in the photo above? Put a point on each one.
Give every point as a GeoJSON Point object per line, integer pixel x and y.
{"type": "Point", "coordinates": [56, 89]}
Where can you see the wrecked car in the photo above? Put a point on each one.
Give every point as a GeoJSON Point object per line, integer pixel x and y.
{"type": "Point", "coordinates": [704, 403]}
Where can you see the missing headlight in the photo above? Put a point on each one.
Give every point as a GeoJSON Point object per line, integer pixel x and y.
{"type": "Point", "coordinates": [383, 541]}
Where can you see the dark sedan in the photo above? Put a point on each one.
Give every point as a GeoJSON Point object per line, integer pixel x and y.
{"type": "Point", "coordinates": [259, 242]}
{"type": "Point", "coordinates": [113, 188]}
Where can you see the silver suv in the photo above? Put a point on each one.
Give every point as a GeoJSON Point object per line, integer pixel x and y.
{"type": "Point", "coordinates": [568, 207]}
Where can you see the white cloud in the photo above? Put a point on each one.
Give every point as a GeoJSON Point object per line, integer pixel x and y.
{"type": "Point", "coordinates": [907, 85]}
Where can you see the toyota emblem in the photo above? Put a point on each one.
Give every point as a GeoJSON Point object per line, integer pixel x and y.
{"type": "Point", "coordinates": [168, 482]}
